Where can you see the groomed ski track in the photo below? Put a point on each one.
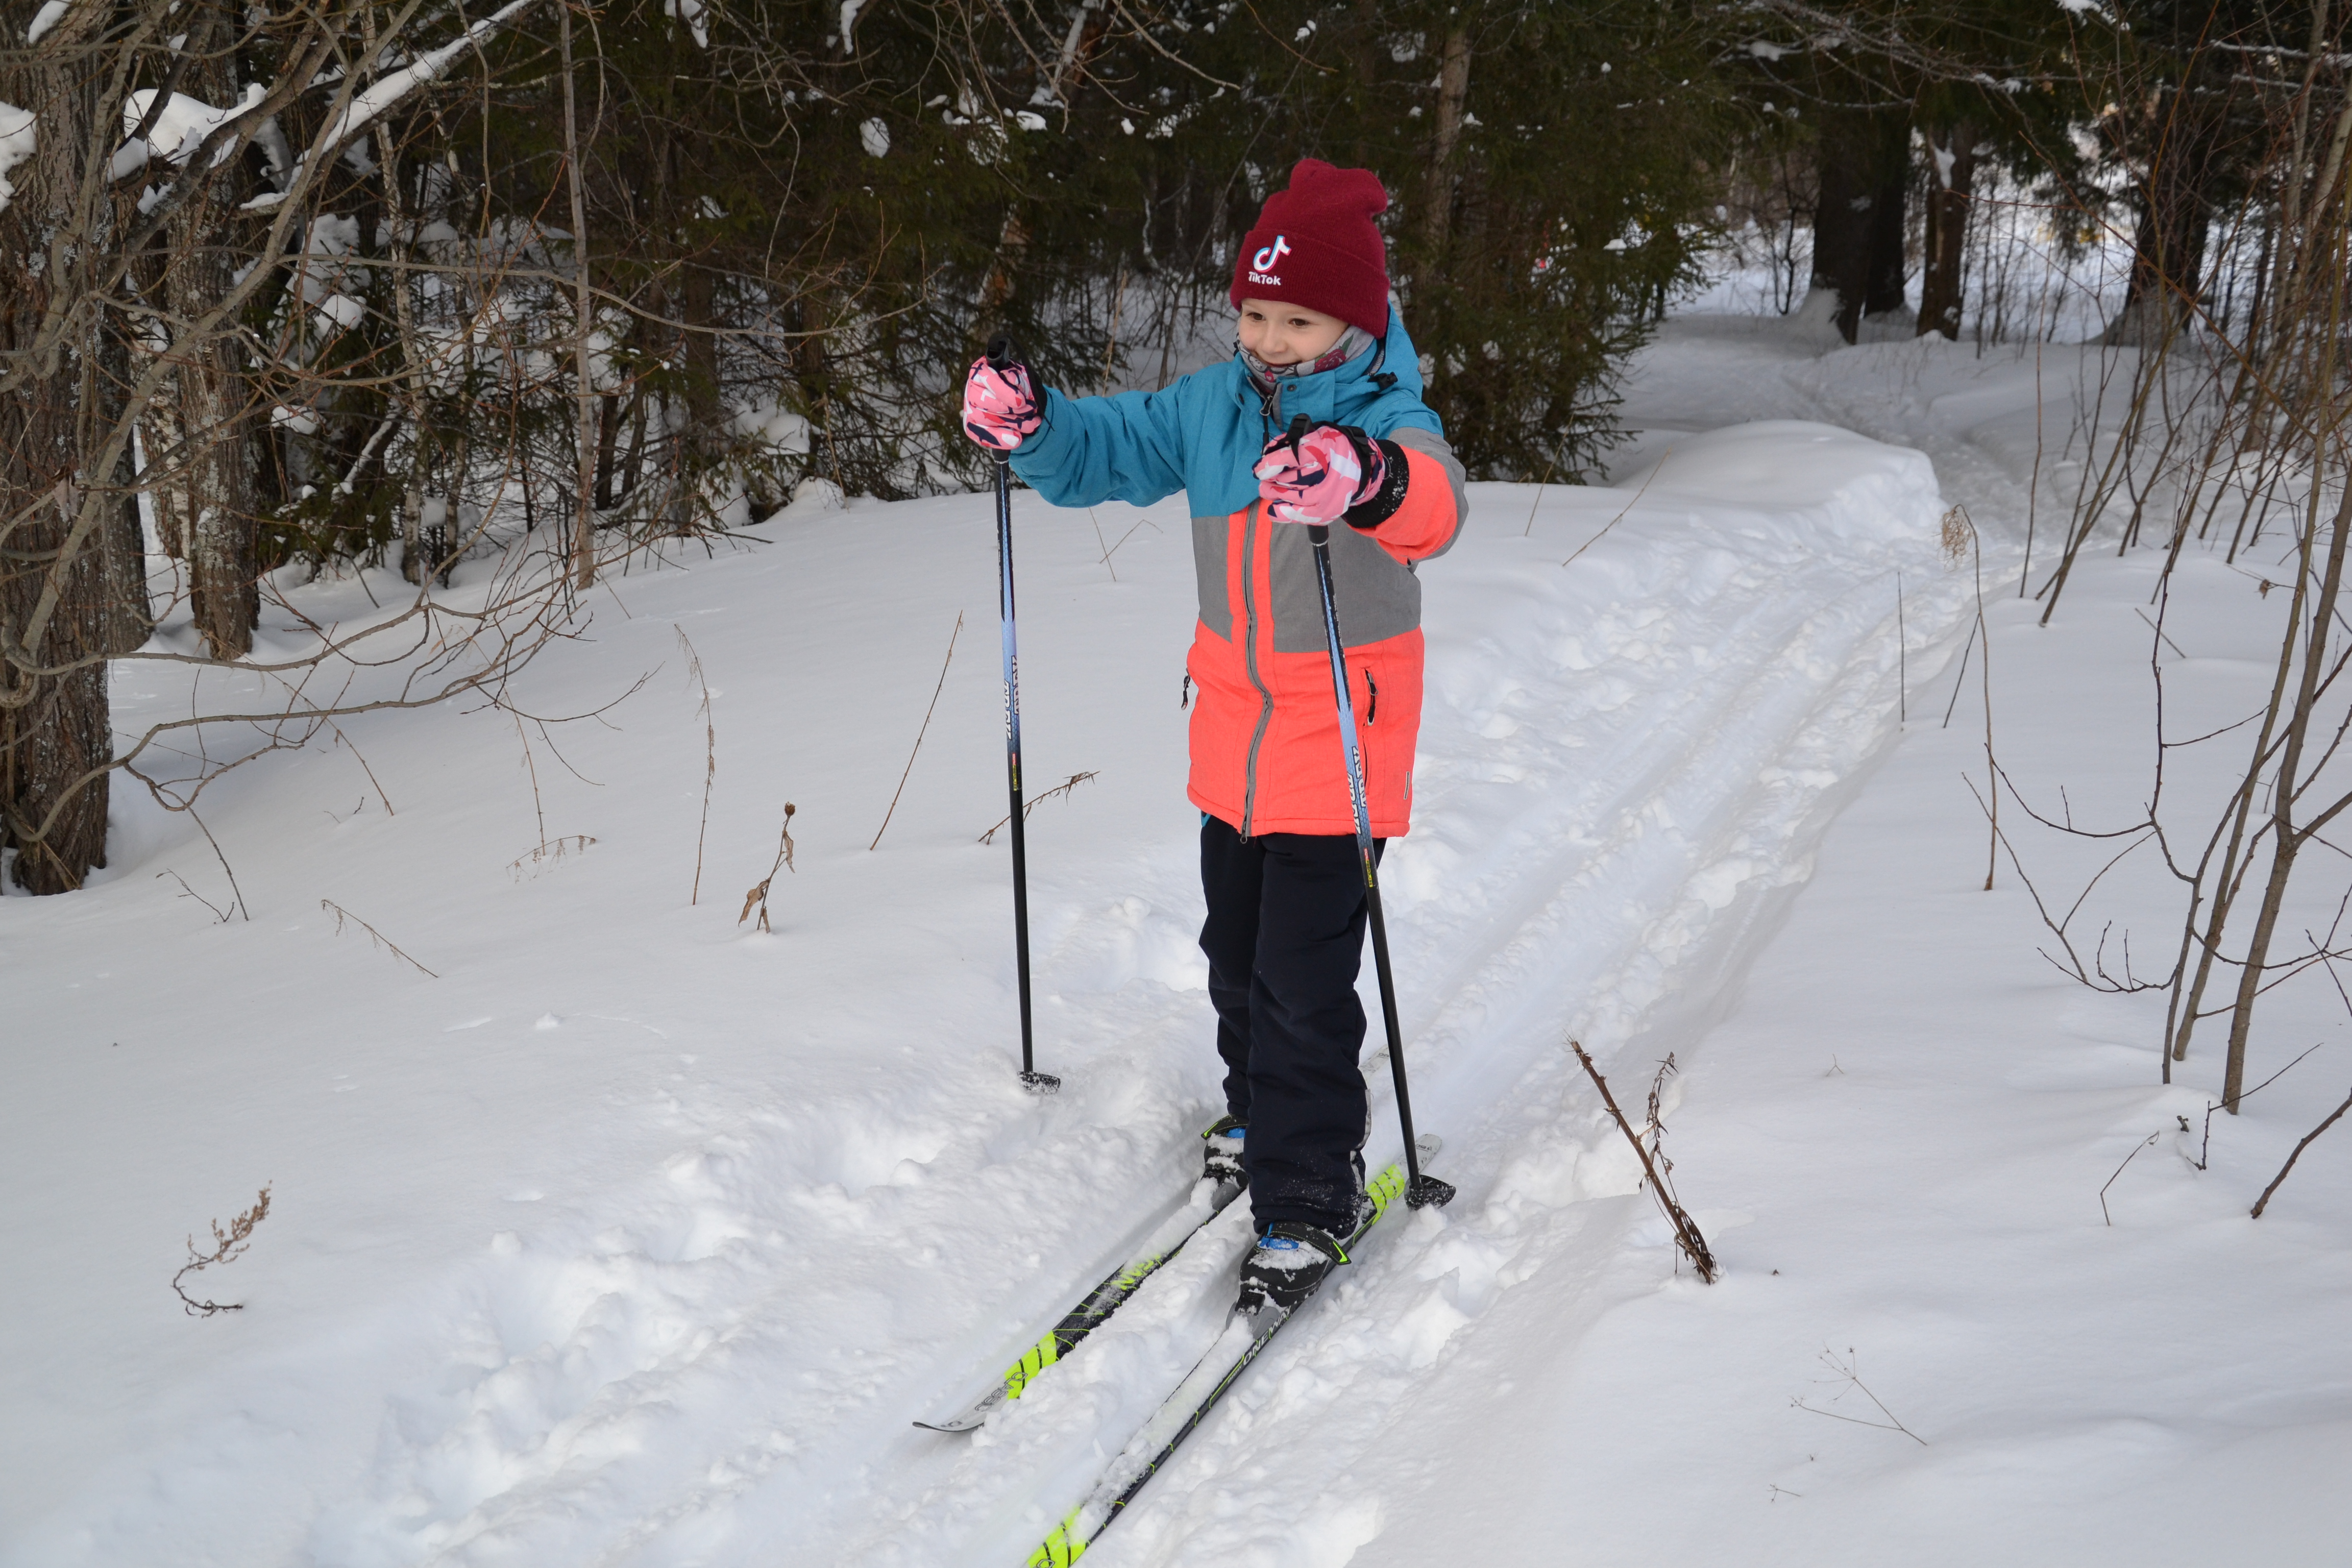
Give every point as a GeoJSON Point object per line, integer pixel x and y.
{"type": "Point", "coordinates": [1625, 764]}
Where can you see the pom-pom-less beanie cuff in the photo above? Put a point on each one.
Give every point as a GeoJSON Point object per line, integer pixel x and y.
{"type": "Point", "coordinates": [1301, 270]}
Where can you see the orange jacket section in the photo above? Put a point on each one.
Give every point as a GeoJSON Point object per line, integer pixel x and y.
{"type": "Point", "coordinates": [1267, 755]}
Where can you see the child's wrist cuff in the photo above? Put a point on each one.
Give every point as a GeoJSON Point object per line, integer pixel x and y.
{"type": "Point", "coordinates": [1383, 504]}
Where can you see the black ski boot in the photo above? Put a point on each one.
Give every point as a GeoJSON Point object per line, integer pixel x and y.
{"type": "Point", "coordinates": [1288, 1263]}
{"type": "Point", "coordinates": [1221, 1161]}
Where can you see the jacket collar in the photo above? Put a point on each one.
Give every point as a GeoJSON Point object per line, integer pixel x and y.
{"type": "Point", "coordinates": [1342, 395]}
{"type": "Point", "coordinates": [1351, 342]}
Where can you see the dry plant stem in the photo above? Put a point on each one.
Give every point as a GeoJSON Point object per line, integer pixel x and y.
{"type": "Point", "coordinates": [186, 892]}
{"type": "Point", "coordinates": [2205, 1146]}
{"type": "Point", "coordinates": [1620, 516]}
{"type": "Point", "coordinates": [1959, 532]}
{"type": "Point", "coordinates": [1686, 1236]}
{"type": "Point", "coordinates": [2245, 413]}
{"type": "Point", "coordinates": [2161, 635]}
{"type": "Point", "coordinates": [2090, 506]}
{"type": "Point", "coordinates": [2033, 483]}
{"type": "Point", "coordinates": [710, 758]}
{"type": "Point", "coordinates": [1030, 807]}
{"type": "Point", "coordinates": [1546, 481]}
{"type": "Point", "coordinates": [1848, 1371]}
{"type": "Point", "coordinates": [576, 844]}
{"type": "Point", "coordinates": [1105, 543]}
{"type": "Point", "coordinates": [229, 1246]}
{"type": "Point", "coordinates": [412, 521]}
{"type": "Point", "coordinates": [539, 811]}
{"type": "Point", "coordinates": [920, 734]}
{"type": "Point", "coordinates": [2287, 840]}
{"type": "Point", "coordinates": [374, 936]}
{"type": "Point", "coordinates": [2264, 1201]}
{"type": "Point", "coordinates": [758, 896]}
{"type": "Point", "coordinates": [1967, 650]}
{"type": "Point", "coordinates": [2225, 878]}
{"type": "Point", "coordinates": [237, 893]}
{"type": "Point", "coordinates": [583, 526]}
{"type": "Point", "coordinates": [2119, 1171]}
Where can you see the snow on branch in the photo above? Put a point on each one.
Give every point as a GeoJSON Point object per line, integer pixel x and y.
{"type": "Point", "coordinates": [388, 90]}
{"type": "Point", "coordinates": [15, 145]}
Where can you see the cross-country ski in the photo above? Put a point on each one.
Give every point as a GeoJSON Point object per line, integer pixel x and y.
{"type": "Point", "coordinates": [1248, 1330]}
{"type": "Point", "coordinates": [1206, 1200]}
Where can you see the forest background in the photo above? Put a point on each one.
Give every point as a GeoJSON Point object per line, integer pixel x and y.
{"type": "Point", "coordinates": [289, 290]}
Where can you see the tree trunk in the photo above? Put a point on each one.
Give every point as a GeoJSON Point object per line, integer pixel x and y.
{"type": "Point", "coordinates": [1952, 159]}
{"type": "Point", "coordinates": [1368, 75]}
{"type": "Point", "coordinates": [700, 442]}
{"type": "Point", "coordinates": [608, 436]}
{"type": "Point", "coordinates": [1884, 295]}
{"type": "Point", "coordinates": [583, 523]}
{"type": "Point", "coordinates": [160, 432]}
{"type": "Point", "coordinates": [1452, 96]}
{"type": "Point", "coordinates": [223, 574]}
{"type": "Point", "coordinates": [2176, 213]}
{"type": "Point", "coordinates": [1865, 158]}
{"type": "Point", "coordinates": [122, 542]}
{"type": "Point", "coordinates": [211, 475]}
{"type": "Point", "coordinates": [53, 723]}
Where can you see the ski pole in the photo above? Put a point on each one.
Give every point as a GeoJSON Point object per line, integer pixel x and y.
{"type": "Point", "coordinates": [1421, 1191]}
{"type": "Point", "coordinates": [1002, 355]}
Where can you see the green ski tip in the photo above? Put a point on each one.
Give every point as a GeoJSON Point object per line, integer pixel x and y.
{"type": "Point", "coordinates": [1061, 1548]}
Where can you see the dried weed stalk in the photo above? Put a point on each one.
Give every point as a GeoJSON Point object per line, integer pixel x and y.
{"type": "Point", "coordinates": [1686, 1236]}
{"type": "Point", "coordinates": [710, 758]}
{"type": "Point", "coordinates": [375, 936]}
{"type": "Point", "coordinates": [1065, 787]}
{"type": "Point", "coordinates": [2110, 1182]}
{"type": "Point", "coordinates": [229, 1246]}
{"type": "Point", "coordinates": [1960, 542]}
{"type": "Point", "coordinates": [2264, 1201]}
{"type": "Point", "coordinates": [220, 915]}
{"type": "Point", "coordinates": [548, 853]}
{"type": "Point", "coordinates": [920, 734]}
{"type": "Point", "coordinates": [1849, 1374]}
{"type": "Point", "coordinates": [758, 896]}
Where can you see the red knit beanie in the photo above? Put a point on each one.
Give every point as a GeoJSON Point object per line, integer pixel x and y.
{"type": "Point", "coordinates": [1315, 244]}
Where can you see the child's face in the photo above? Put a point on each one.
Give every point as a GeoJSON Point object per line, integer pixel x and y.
{"type": "Point", "coordinates": [1288, 334]}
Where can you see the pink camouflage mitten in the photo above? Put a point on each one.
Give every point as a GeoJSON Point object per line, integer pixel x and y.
{"type": "Point", "coordinates": [1000, 406]}
{"type": "Point", "coordinates": [1318, 476]}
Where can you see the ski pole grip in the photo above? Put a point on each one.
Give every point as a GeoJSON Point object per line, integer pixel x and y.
{"type": "Point", "coordinates": [1317, 534]}
{"type": "Point", "coordinates": [1003, 353]}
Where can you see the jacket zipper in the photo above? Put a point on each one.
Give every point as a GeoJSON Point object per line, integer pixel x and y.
{"type": "Point", "coordinates": [1371, 698]}
{"type": "Point", "coordinates": [1265, 698]}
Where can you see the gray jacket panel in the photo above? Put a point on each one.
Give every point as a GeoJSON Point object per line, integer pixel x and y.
{"type": "Point", "coordinates": [1377, 596]}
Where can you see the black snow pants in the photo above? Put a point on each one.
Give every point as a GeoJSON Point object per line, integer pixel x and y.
{"type": "Point", "coordinates": [1285, 938]}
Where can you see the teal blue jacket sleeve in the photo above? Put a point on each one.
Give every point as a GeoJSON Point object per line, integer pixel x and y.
{"type": "Point", "coordinates": [1127, 448]}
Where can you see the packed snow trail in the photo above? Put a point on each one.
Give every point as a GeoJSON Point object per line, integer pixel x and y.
{"type": "Point", "coordinates": [796, 1193]}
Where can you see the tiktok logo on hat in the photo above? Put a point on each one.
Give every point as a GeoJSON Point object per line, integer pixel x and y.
{"type": "Point", "coordinates": [1268, 256]}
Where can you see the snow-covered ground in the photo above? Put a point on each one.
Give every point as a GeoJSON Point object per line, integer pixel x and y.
{"type": "Point", "coordinates": [634, 1235]}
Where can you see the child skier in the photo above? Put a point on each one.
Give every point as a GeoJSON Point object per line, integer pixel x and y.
{"type": "Point", "coordinates": [1286, 906]}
